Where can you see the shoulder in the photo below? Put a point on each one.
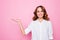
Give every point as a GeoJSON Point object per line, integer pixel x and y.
{"type": "Point", "coordinates": [48, 21]}
{"type": "Point", "coordinates": [33, 22]}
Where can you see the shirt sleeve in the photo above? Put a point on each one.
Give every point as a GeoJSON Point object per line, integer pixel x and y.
{"type": "Point", "coordinates": [29, 28]}
{"type": "Point", "coordinates": [50, 30]}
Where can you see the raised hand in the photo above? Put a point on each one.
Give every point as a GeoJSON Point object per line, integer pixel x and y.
{"type": "Point", "coordinates": [18, 21]}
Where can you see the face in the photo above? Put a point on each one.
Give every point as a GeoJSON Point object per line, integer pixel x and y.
{"type": "Point", "coordinates": [40, 13]}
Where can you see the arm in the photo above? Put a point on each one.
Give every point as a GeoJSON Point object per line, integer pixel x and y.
{"type": "Point", "coordinates": [50, 31]}
{"type": "Point", "coordinates": [20, 25]}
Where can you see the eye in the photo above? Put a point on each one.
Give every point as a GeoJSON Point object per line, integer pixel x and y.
{"type": "Point", "coordinates": [41, 11]}
{"type": "Point", "coordinates": [37, 11]}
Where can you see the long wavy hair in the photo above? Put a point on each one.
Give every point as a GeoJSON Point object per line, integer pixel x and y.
{"type": "Point", "coordinates": [45, 16]}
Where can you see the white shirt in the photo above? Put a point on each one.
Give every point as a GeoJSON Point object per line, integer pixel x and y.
{"type": "Point", "coordinates": [40, 30]}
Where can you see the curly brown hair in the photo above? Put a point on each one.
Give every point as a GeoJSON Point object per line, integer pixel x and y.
{"type": "Point", "coordinates": [45, 16]}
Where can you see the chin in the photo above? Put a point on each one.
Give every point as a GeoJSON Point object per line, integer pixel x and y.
{"type": "Point", "coordinates": [40, 17]}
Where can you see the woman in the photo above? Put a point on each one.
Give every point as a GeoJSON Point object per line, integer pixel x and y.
{"type": "Point", "coordinates": [40, 27]}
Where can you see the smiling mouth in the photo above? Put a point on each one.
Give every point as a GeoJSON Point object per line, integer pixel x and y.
{"type": "Point", "coordinates": [39, 14]}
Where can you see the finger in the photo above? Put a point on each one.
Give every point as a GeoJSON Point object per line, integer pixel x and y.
{"type": "Point", "coordinates": [13, 20]}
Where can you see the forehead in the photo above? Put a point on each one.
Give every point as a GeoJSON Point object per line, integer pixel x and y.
{"type": "Point", "coordinates": [39, 9]}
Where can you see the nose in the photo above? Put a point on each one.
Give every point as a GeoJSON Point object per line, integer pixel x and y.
{"type": "Point", "coordinates": [39, 13]}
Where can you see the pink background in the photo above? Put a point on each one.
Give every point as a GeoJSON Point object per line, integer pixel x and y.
{"type": "Point", "coordinates": [23, 9]}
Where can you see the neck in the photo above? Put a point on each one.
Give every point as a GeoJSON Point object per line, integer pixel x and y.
{"type": "Point", "coordinates": [40, 19]}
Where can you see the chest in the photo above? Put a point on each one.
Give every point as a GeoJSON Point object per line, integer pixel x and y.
{"type": "Point", "coordinates": [40, 27]}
